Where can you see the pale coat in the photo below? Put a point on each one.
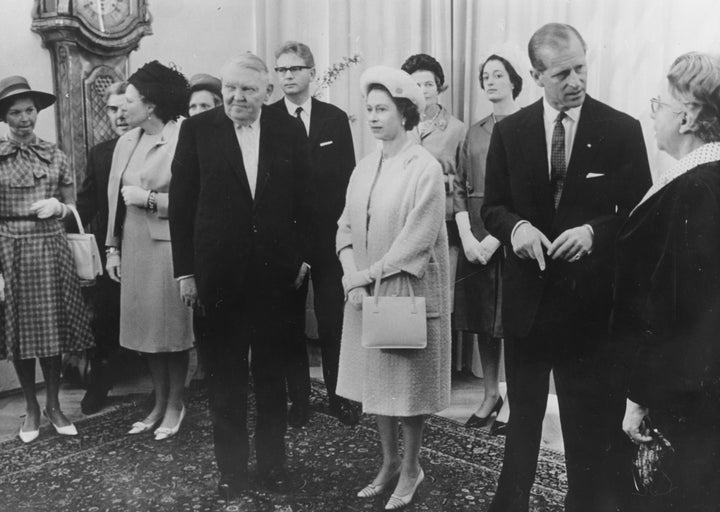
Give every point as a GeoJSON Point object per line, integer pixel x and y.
{"type": "Point", "coordinates": [405, 233]}
{"type": "Point", "coordinates": [155, 175]}
{"type": "Point", "coordinates": [153, 319]}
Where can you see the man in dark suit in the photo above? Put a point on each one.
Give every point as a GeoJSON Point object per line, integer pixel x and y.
{"type": "Point", "coordinates": [104, 296]}
{"type": "Point", "coordinates": [562, 175]}
{"type": "Point", "coordinates": [332, 161]}
{"type": "Point", "coordinates": [237, 224]}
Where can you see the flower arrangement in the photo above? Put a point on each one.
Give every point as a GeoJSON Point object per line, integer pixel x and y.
{"type": "Point", "coordinates": [333, 72]}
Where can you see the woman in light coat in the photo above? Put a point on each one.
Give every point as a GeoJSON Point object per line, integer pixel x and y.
{"type": "Point", "coordinates": [393, 227]}
{"type": "Point", "coordinates": [153, 319]}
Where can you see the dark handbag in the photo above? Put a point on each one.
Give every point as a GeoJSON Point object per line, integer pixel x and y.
{"type": "Point", "coordinates": [652, 464]}
{"type": "Point", "coordinates": [394, 322]}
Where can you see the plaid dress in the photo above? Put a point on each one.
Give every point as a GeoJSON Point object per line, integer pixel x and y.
{"type": "Point", "coordinates": [43, 314]}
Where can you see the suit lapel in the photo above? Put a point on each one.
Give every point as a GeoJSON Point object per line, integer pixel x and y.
{"type": "Point", "coordinates": [229, 148]}
{"type": "Point", "coordinates": [587, 141]}
{"type": "Point", "coordinates": [532, 133]}
{"type": "Point", "coordinates": [266, 153]}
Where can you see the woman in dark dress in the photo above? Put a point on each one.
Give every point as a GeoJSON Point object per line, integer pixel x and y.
{"type": "Point", "coordinates": [667, 304]}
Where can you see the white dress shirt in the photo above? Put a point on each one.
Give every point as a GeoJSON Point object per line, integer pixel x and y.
{"type": "Point", "coordinates": [249, 139]}
{"type": "Point", "coordinates": [304, 115]}
{"type": "Point", "coordinates": [570, 123]}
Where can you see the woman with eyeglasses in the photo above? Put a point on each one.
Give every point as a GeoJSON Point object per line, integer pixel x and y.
{"type": "Point", "coordinates": [667, 295]}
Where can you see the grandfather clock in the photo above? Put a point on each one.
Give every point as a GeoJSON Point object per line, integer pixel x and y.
{"type": "Point", "coordinates": [89, 43]}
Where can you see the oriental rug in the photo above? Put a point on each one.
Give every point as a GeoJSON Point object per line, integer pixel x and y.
{"type": "Point", "coordinates": [103, 469]}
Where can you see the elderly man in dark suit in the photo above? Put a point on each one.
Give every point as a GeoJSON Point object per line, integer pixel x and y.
{"type": "Point", "coordinates": [237, 224]}
{"type": "Point", "coordinates": [104, 296]}
{"type": "Point", "coordinates": [332, 162]}
{"type": "Point", "coordinates": [562, 175]}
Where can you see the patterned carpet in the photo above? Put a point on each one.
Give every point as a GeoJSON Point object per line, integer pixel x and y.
{"type": "Point", "coordinates": [103, 469]}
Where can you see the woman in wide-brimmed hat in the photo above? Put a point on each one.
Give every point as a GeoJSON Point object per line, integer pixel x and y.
{"type": "Point", "coordinates": [42, 314]}
{"type": "Point", "coordinates": [153, 319]}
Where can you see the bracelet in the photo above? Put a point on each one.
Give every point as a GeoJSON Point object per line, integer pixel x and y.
{"type": "Point", "coordinates": [152, 201]}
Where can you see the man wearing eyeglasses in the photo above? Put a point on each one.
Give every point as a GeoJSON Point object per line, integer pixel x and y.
{"type": "Point", "coordinates": [562, 176]}
{"type": "Point", "coordinates": [104, 297]}
{"type": "Point", "coordinates": [332, 159]}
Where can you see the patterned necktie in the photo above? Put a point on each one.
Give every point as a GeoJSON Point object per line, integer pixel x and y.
{"type": "Point", "coordinates": [558, 167]}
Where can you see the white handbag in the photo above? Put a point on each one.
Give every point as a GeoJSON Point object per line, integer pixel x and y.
{"type": "Point", "coordinates": [393, 322]}
{"type": "Point", "coordinates": [85, 252]}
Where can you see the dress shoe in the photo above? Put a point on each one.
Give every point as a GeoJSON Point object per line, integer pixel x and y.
{"type": "Point", "coordinates": [231, 487]}
{"type": "Point", "coordinates": [276, 479]}
{"type": "Point", "coordinates": [298, 415]}
{"type": "Point", "coordinates": [94, 398]}
{"type": "Point", "coordinates": [395, 502]}
{"type": "Point", "coordinates": [345, 411]}
{"type": "Point", "coordinates": [499, 428]}
{"type": "Point", "coordinates": [29, 436]}
{"type": "Point", "coordinates": [139, 427]}
{"type": "Point", "coordinates": [370, 490]}
{"type": "Point", "coordinates": [481, 421]}
{"type": "Point", "coordinates": [67, 430]}
{"type": "Point", "coordinates": [162, 433]}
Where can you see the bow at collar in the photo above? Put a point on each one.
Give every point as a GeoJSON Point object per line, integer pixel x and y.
{"type": "Point", "coordinates": [36, 149]}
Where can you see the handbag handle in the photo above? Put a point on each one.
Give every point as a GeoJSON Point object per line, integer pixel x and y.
{"type": "Point", "coordinates": [376, 293]}
{"type": "Point", "coordinates": [72, 208]}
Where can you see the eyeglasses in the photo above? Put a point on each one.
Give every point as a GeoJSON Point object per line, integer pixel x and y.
{"type": "Point", "coordinates": [655, 106]}
{"type": "Point", "coordinates": [292, 69]}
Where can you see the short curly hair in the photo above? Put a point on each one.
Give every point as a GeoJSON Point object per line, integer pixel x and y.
{"type": "Point", "coordinates": [165, 87]}
{"type": "Point", "coordinates": [424, 62]}
{"type": "Point", "coordinates": [406, 108]}
{"type": "Point", "coordinates": [694, 79]}
{"type": "Point", "coordinates": [515, 79]}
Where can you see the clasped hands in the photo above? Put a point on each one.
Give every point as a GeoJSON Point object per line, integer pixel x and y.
{"type": "Point", "coordinates": [480, 251]}
{"type": "Point", "coordinates": [528, 242]}
{"type": "Point", "coordinates": [46, 208]}
{"type": "Point", "coordinates": [354, 284]}
{"type": "Point", "coordinates": [135, 196]}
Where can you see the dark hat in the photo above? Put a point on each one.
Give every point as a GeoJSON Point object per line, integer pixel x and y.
{"type": "Point", "coordinates": [14, 86]}
{"type": "Point", "coordinates": [164, 86]}
{"type": "Point", "coordinates": [205, 82]}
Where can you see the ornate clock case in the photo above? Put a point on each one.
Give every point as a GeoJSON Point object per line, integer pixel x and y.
{"type": "Point", "coordinates": [89, 42]}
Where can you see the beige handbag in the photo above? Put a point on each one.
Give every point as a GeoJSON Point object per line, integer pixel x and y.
{"type": "Point", "coordinates": [394, 322]}
{"type": "Point", "coordinates": [85, 252]}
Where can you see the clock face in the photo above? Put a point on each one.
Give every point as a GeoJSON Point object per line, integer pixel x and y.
{"type": "Point", "coordinates": [106, 15]}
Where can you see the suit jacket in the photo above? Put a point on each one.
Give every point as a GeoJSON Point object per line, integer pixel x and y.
{"type": "Point", "coordinates": [154, 175]}
{"type": "Point", "coordinates": [332, 158]}
{"type": "Point", "coordinates": [92, 198]}
{"type": "Point", "coordinates": [607, 175]}
{"type": "Point", "coordinates": [667, 294]}
{"type": "Point", "coordinates": [232, 243]}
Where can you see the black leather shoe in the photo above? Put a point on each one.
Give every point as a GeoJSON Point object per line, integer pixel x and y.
{"type": "Point", "coordinates": [345, 411]}
{"type": "Point", "coordinates": [94, 399]}
{"type": "Point", "coordinates": [276, 479]}
{"type": "Point", "coordinates": [298, 415]}
{"type": "Point", "coordinates": [231, 487]}
{"type": "Point", "coordinates": [499, 428]}
{"type": "Point", "coordinates": [479, 422]}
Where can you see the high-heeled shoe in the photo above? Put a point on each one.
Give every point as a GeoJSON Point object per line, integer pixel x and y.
{"type": "Point", "coordinates": [140, 426]}
{"type": "Point", "coordinates": [395, 502]}
{"type": "Point", "coordinates": [167, 432]}
{"type": "Point", "coordinates": [370, 490]}
{"type": "Point", "coordinates": [480, 421]}
{"type": "Point", "coordinates": [29, 436]}
{"type": "Point", "coordinates": [67, 430]}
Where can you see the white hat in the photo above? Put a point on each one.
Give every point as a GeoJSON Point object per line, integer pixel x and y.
{"type": "Point", "coordinates": [398, 83]}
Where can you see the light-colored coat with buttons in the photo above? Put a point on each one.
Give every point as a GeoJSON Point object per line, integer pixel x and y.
{"type": "Point", "coordinates": [395, 224]}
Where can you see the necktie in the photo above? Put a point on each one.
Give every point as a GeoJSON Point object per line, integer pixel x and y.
{"type": "Point", "coordinates": [299, 111]}
{"type": "Point", "coordinates": [558, 167]}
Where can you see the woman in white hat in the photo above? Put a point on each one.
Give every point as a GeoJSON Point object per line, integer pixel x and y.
{"type": "Point", "coordinates": [393, 227]}
{"type": "Point", "coordinates": [42, 314]}
{"type": "Point", "coordinates": [478, 292]}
